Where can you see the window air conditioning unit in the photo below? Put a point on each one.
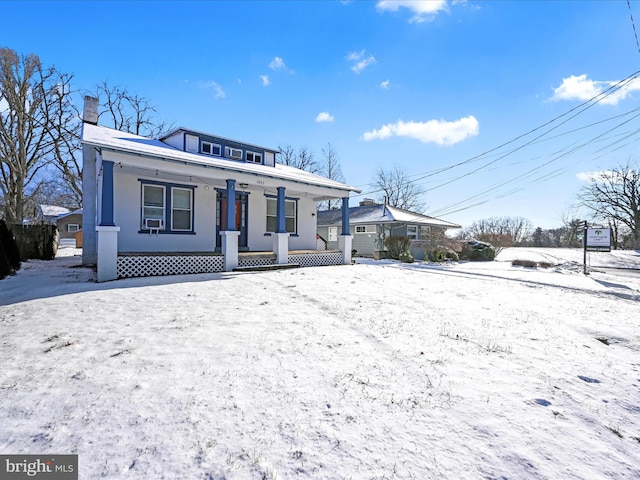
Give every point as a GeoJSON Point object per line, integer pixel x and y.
{"type": "Point", "coordinates": [234, 153]}
{"type": "Point", "coordinates": [153, 224]}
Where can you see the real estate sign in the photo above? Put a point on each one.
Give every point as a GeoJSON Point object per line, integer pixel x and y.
{"type": "Point", "coordinates": [598, 240]}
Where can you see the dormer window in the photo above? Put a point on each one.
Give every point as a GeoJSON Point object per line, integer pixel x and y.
{"type": "Point", "coordinates": [254, 157]}
{"type": "Point", "coordinates": [234, 153]}
{"type": "Point", "coordinates": [209, 148]}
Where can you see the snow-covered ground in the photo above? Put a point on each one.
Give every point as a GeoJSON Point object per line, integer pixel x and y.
{"type": "Point", "coordinates": [375, 370]}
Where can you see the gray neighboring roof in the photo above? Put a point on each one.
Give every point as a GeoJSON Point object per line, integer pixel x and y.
{"type": "Point", "coordinates": [52, 210]}
{"type": "Point", "coordinates": [64, 215]}
{"type": "Point", "coordinates": [371, 214]}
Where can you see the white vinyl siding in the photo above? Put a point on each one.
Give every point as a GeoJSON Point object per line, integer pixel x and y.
{"type": "Point", "coordinates": [192, 143]}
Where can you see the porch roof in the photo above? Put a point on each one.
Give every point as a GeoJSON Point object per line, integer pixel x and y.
{"type": "Point", "coordinates": [122, 142]}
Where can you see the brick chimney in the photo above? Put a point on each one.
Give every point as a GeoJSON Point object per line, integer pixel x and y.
{"type": "Point", "coordinates": [90, 113]}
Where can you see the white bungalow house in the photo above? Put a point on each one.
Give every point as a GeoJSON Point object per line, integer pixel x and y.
{"type": "Point", "coordinates": [160, 206]}
{"type": "Point", "coordinates": [371, 222]}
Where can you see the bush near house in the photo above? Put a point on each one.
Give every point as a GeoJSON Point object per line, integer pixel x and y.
{"type": "Point", "coordinates": [441, 254]}
{"type": "Point", "coordinates": [9, 254]}
{"type": "Point", "coordinates": [38, 241]}
{"type": "Point", "coordinates": [477, 251]}
{"type": "Point", "coordinates": [406, 257]}
{"type": "Point", "coordinates": [396, 245]}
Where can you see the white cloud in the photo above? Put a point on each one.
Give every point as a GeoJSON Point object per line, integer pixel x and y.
{"type": "Point", "coordinates": [4, 106]}
{"type": "Point", "coordinates": [265, 80]}
{"type": "Point", "coordinates": [597, 176]}
{"type": "Point", "coordinates": [385, 85]}
{"type": "Point", "coordinates": [423, 11]}
{"type": "Point", "coordinates": [439, 132]}
{"type": "Point", "coordinates": [278, 64]}
{"type": "Point", "coordinates": [360, 61]}
{"type": "Point", "coordinates": [219, 93]}
{"type": "Point", "coordinates": [579, 87]}
{"type": "Point", "coordinates": [324, 117]}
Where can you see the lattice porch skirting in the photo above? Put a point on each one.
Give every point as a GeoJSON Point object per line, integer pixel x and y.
{"type": "Point", "coordinates": [140, 265]}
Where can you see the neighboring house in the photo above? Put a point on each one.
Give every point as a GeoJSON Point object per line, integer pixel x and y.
{"type": "Point", "coordinates": [69, 223]}
{"type": "Point", "coordinates": [48, 214]}
{"type": "Point", "coordinates": [370, 223]}
{"type": "Point", "coordinates": [158, 207]}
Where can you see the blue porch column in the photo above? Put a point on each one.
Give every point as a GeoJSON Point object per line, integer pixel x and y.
{"type": "Point", "coordinates": [231, 205]}
{"type": "Point", "coordinates": [106, 213]}
{"type": "Point", "coordinates": [230, 235]}
{"type": "Point", "coordinates": [345, 242]}
{"type": "Point", "coordinates": [345, 216]}
{"type": "Point", "coordinates": [107, 232]}
{"type": "Point", "coordinates": [280, 236]}
{"type": "Point", "coordinates": [280, 212]}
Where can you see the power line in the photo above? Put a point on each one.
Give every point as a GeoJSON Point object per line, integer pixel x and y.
{"type": "Point", "coordinates": [542, 137]}
{"type": "Point", "coordinates": [634, 25]}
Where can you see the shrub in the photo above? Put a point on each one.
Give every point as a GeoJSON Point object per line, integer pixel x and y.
{"type": "Point", "coordinates": [531, 264]}
{"type": "Point", "coordinates": [4, 264]}
{"type": "Point", "coordinates": [10, 252]}
{"type": "Point", "coordinates": [478, 251]}
{"type": "Point", "coordinates": [397, 244]}
{"type": "Point", "coordinates": [406, 257]}
{"type": "Point", "coordinates": [442, 254]}
{"type": "Point", "coordinates": [524, 263]}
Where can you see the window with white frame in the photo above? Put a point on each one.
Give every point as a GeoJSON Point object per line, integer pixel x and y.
{"type": "Point", "coordinates": [412, 232]}
{"type": "Point", "coordinates": [153, 203]}
{"type": "Point", "coordinates": [73, 227]}
{"type": "Point", "coordinates": [333, 234]}
{"type": "Point", "coordinates": [425, 231]}
{"type": "Point", "coordinates": [365, 229]}
{"type": "Point", "coordinates": [254, 157]}
{"type": "Point", "coordinates": [167, 207]}
{"type": "Point", "coordinates": [290, 211]}
{"type": "Point", "coordinates": [209, 148]}
{"type": "Point", "coordinates": [181, 209]}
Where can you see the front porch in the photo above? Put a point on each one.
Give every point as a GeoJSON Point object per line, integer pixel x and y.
{"type": "Point", "coordinates": [133, 264]}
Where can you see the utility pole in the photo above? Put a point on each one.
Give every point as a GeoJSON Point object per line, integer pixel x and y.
{"type": "Point", "coordinates": [584, 245]}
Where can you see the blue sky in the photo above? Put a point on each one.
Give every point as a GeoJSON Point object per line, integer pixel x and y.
{"type": "Point", "coordinates": [427, 86]}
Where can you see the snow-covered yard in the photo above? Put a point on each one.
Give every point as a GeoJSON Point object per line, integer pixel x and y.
{"type": "Point", "coordinates": [375, 370]}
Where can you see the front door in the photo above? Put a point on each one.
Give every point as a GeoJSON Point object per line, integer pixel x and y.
{"type": "Point", "coordinates": [241, 217]}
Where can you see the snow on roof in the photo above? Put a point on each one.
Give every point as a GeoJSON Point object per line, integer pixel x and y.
{"type": "Point", "coordinates": [52, 210]}
{"type": "Point", "coordinates": [64, 215]}
{"type": "Point", "coordinates": [381, 214]}
{"type": "Point", "coordinates": [109, 138]}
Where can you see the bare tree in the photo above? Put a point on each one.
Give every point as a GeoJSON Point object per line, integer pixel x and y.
{"type": "Point", "coordinates": [396, 189]}
{"type": "Point", "coordinates": [303, 159]}
{"type": "Point", "coordinates": [29, 109]}
{"type": "Point", "coordinates": [504, 231]}
{"type": "Point", "coordinates": [128, 112]}
{"type": "Point", "coordinates": [331, 169]}
{"type": "Point", "coordinates": [614, 195]}
{"type": "Point", "coordinates": [65, 132]}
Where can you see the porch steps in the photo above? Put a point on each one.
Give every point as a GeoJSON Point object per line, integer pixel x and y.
{"type": "Point", "coordinates": [261, 268]}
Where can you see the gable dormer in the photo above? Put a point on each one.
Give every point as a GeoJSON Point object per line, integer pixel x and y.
{"type": "Point", "coordinates": [220, 147]}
